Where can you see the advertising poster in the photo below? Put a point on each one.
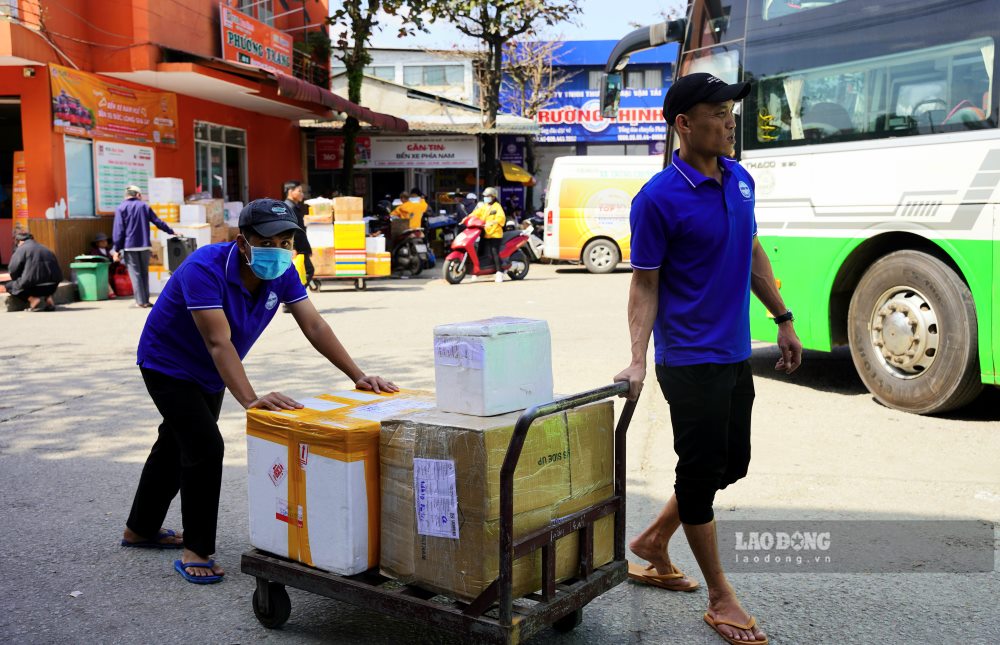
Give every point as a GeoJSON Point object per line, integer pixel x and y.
{"type": "Point", "coordinates": [86, 105]}
{"type": "Point", "coordinates": [19, 192]}
{"type": "Point", "coordinates": [118, 166]}
{"type": "Point", "coordinates": [512, 150]}
{"type": "Point", "coordinates": [250, 42]}
{"type": "Point", "coordinates": [330, 152]}
{"type": "Point", "coordinates": [575, 117]}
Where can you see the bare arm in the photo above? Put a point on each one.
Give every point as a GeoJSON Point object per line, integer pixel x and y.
{"type": "Point", "coordinates": [763, 285]}
{"type": "Point", "coordinates": [214, 328]}
{"type": "Point", "coordinates": [326, 343]}
{"type": "Point", "coordinates": [643, 297]}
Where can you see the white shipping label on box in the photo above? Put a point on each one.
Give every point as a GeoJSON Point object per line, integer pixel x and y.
{"type": "Point", "coordinates": [459, 352]}
{"type": "Point", "coordinates": [357, 396]}
{"type": "Point", "coordinates": [320, 405]}
{"type": "Point", "coordinates": [435, 497]}
{"type": "Point", "coordinates": [387, 409]}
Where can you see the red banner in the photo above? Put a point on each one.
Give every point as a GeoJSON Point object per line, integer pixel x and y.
{"type": "Point", "coordinates": [330, 152]}
{"type": "Point", "coordinates": [250, 42]}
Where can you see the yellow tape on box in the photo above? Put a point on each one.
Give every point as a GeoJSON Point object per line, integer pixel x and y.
{"type": "Point", "coordinates": [313, 477]}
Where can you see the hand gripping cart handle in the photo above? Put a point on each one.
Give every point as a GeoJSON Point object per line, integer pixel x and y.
{"type": "Point", "coordinates": [559, 605]}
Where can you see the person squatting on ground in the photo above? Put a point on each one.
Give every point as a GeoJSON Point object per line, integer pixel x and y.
{"type": "Point", "coordinates": [212, 310]}
{"type": "Point", "coordinates": [491, 212]}
{"type": "Point", "coordinates": [130, 238]}
{"type": "Point", "coordinates": [695, 260]}
{"type": "Point", "coordinates": [35, 276]}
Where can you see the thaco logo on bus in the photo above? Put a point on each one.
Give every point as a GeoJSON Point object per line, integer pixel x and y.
{"type": "Point", "coordinates": [588, 116]}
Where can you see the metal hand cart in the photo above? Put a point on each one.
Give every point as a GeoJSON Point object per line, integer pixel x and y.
{"type": "Point", "coordinates": [493, 617]}
{"type": "Point", "coordinates": [360, 282]}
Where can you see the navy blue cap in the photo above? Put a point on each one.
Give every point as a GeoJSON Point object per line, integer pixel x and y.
{"type": "Point", "coordinates": [268, 217]}
{"type": "Point", "coordinates": [696, 88]}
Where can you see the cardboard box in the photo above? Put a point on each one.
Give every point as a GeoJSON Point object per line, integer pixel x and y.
{"type": "Point", "coordinates": [193, 214]}
{"type": "Point", "coordinates": [324, 260]}
{"type": "Point", "coordinates": [156, 255]}
{"type": "Point", "coordinates": [232, 212]}
{"type": "Point", "coordinates": [379, 264]}
{"type": "Point", "coordinates": [567, 464]}
{"type": "Point", "coordinates": [219, 234]}
{"type": "Point", "coordinates": [348, 209]}
{"type": "Point", "coordinates": [492, 366]}
{"type": "Point", "coordinates": [165, 190]}
{"type": "Point", "coordinates": [309, 220]}
{"type": "Point", "coordinates": [214, 209]}
{"type": "Point", "coordinates": [231, 233]}
{"type": "Point", "coordinates": [320, 235]}
{"type": "Point", "coordinates": [349, 236]}
{"type": "Point", "coordinates": [375, 244]}
{"type": "Point", "coordinates": [202, 233]}
{"type": "Point", "coordinates": [313, 478]}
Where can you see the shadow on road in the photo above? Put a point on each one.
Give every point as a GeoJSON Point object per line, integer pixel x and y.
{"type": "Point", "coordinates": [583, 269]}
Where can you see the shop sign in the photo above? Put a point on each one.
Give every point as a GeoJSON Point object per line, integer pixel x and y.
{"type": "Point", "coordinates": [575, 117]}
{"type": "Point", "coordinates": [424, 152]}
{"type": "Point", "coordinates": [19, 188]}
{"type": "Point", "coordinates": [330, 152]}
{"type": "Point", "coordinates": [86, 105]}
{"type": "Point", "coordinates": [251, 42]}
{"type": "Point", "coordinates": [118, 166]}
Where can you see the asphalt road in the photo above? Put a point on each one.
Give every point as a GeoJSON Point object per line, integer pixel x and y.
{"type": "Point", "coordinates": [76, 425]}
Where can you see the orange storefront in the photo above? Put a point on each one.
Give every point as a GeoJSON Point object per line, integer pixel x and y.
{"type": "Point", "coordinates": [225, 123]}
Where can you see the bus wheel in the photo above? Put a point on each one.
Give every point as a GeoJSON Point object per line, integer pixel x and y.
{"type": "Point", "coordinates": [601, 256]}
{"type": "Point", "coordinates": [913, 334]}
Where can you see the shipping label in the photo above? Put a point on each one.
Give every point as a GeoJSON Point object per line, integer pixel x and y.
{"type": "Point", "coordinates": [435, 497]}
{"type": "Point", "coordinates": [459, 352]}
{"type": "Point", "coordinates": [388, 409]}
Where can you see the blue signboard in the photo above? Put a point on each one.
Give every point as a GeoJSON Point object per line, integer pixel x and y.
{"type": "Point", "coordinates": [575, 117]}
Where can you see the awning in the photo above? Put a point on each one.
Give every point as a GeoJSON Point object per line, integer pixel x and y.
{"type": "Point", "coordinates": [300, 90]}
{"type": "Point", "coordinates": [513, 172]}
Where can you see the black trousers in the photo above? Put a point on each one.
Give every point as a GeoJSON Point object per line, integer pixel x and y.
{"type": "Point", "coordinates": [186, 457]}
{"type": "Point", "coordinates": [310, 269]}
{"type": "Point", "coordinates": [491, 251]}
{"type": "Point", "coordinates": [710, 408]}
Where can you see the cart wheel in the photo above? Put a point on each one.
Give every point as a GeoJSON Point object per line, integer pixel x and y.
{"type": "Point", "coordinates": [360, 284]}
{"type": "Point", "coordinates": [280, 610]}
{"type": "Point", "coordinates": [568, 622]}
{"type": "Point", "coordinates": [314, 285]}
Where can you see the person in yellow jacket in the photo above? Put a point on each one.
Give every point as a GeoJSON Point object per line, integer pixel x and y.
{"type": "Point", "coordinates": [491, 212]}
{"type": "Point", "coordinates": [412, 208]}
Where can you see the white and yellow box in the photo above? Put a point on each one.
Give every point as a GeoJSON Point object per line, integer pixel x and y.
{"type": "Point", "coordinates": [313, 478]}
{"type": "Point", "coordinates": [492, 366]}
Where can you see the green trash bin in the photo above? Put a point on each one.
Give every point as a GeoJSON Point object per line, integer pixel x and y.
{"type": "Point", "coordinates": [91, 276]}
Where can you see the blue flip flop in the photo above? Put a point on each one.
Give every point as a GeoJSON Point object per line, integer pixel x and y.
{"type": "Point", "coordinates": [157, 543]}
{"type": "Point", "coordinates": [198, 580]}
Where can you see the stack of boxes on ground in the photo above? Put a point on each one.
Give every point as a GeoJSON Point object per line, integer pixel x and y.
{"type": "Point", "coordinates": [337, 234]}
{"type": "Point", "coordinates": [204, 220]}
{"type": "Point", "coordinates": [432, 519]}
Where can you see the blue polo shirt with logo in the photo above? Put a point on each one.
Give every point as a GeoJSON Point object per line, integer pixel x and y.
{"type": "Point", "coordinates": [699, 236]}
{"type": "Point", "coordinates": [209, 279]}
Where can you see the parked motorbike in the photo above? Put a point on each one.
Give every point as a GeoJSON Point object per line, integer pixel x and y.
{"type": "Point", "coordinates": [408, 246]}
{"type": "Point", "coordinates": [464, 257]}
{"type": "Point", "coordinates": [535, 227]}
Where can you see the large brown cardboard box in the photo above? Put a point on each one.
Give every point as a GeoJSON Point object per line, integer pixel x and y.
{"type": "Point", "coordinates": [348, 209]}
{"type": "Point", "coordinates": [215, 210]}
{"type": "Point", "coordinates": [565, 466]}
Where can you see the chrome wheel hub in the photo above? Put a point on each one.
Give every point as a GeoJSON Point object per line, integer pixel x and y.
{"type": "Point", "coordinates": [904, 332]}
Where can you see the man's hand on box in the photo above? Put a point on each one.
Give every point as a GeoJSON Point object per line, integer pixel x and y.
{"type": "Point", "coordinates": [274, 401]}
{"type": "Point", "coordinates": [376, 384]}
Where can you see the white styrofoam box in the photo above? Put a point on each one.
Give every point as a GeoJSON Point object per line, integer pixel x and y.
{"type": "Point", "coordinates": [320, 235]}
{"type": "Point", "coordinates": [375, 245]}
{"type": "Point", "coordinates": [158, 277]}
{"type": "Point", "coordinates": [336, 499]}
{"type": "Point", "coordinates": [202, 233]}
{"type": "Point", "coordinates": [233, 212]}
{"type": "Point", "coordinates": [165, 190]}
{"type": "Point", "coordinates": [193, 214]}
{"type": "Point", "coordinates": [492, 366]}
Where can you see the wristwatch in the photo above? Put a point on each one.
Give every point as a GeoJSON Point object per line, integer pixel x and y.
{"type": "Point", "coordinates": [785, 317]}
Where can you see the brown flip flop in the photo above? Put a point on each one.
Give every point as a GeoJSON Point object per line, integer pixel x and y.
{"type": "Point", "coordinates": [714, 624]}
{"type": "Point", "coordinates": [649, 576]}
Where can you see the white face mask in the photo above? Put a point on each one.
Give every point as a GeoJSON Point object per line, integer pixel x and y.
{"type": "Point", "coordinates": [488, 200]}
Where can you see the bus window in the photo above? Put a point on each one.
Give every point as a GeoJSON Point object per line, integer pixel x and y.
{"type": "Point", "coordinates": [933, 90]}
{"type": "Point", "coordinates": [779, 8]}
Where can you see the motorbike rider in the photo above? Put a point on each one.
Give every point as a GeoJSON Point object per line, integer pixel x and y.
{"type": "Point", "coordinates": [412, 209]}
{"type": "Point", "coordinates": [494, 218]}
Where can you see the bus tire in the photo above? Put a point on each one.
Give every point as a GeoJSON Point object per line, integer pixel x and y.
{"type": "Point", "coordinates": [601, 256]}
{"type": "Point", "coordinates": [913, 334]}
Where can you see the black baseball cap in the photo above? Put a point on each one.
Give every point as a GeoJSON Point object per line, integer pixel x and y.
{"type": "Point", "coordinates": [696, 88]}
{"type": "Point", "coordinates": [268, 217]}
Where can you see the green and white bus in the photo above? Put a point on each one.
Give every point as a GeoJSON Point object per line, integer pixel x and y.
{"type": "Point", "coordinates": [871, 133]}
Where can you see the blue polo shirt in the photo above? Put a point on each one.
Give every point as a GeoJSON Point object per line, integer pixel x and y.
{"type": "Point", "coordinates": [699, 235]}
{"type": "Point", "coordinates": [209, 279]}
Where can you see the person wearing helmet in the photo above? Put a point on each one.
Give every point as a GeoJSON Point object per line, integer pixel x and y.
{"type": "Point", "coordinates": [491, 212]}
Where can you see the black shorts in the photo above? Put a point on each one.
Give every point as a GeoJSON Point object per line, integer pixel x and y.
{"type": "Point", "coordinates": [710, 409]}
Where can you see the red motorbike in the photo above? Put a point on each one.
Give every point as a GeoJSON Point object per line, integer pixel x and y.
{"type": "Point", "coordinates": [464, 257]}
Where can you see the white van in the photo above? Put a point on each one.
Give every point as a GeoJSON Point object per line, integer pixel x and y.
{"type": "Point", "coordinates": [587, 205]}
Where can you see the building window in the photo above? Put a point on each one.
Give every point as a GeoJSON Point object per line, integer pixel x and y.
{"type": "Point", "coordinates": [644, 79]}
{"type": "Point", "coordinates": [79, 176]}
{"type": "Point", "coordinates": [262, 10]}
{"type": "Point", "coordinates": [434, 75]}
{"type": "Point", "coordinates": [385, 72]}
{"type": "Point", "coordinates": [594, 80]}
{"type": "Point", "coordinates": [220, 161]}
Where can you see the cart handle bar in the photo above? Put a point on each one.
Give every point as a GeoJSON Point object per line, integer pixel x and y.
{"type": "Point", "coordinates": [524, 422]}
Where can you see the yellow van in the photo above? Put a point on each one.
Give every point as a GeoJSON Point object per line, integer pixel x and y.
{"type": "Point", "coordinates": [587, 204]}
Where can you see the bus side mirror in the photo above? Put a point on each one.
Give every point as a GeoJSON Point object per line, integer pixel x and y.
{"type": "Point", "coordinates": [611, 93]}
